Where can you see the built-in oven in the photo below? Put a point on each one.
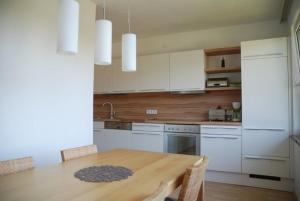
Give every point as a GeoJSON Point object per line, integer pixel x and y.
{"type": "Point", "coordinates": [182, 139]}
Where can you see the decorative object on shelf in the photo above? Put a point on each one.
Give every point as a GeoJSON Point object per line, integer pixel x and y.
{"type": "Point", "coordinates": [236, 111]}
{"type": "Point", "coordinates": [217, 82]}
{"type": "Point", "coordinates": [223, 62]}
{"type": "Point", "coordinates": [103, 52]}
{"type": "Point", "coordinates": [105, 173]}
{"type": "Point", "coordinates": [129, 48]}
{"type": "Point", "coordinates": [68, 27]}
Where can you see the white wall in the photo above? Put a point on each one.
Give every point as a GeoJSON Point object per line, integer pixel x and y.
{"type": "Point", "coordinates": [296, 89]}
{"type": "Point", "coordinates": [46, 99]}
{"type": "Point", "coordinates": [209, 38]}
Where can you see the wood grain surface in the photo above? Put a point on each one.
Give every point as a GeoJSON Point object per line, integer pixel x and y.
{"type": "Point", "coordinates": [171, 107]}
{"type": "Point", "coordinates": [58, 183]}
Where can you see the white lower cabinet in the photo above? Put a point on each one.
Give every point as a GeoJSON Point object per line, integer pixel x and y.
{"type": "Point", "coordinates": [222, 147]}
{"type": "Point", "coordinates": [108, 139]}
{"type": "Point", "coordinates": [269, 166]}
{"type": "Point", "coordinates": [272, 143]}
{"type": "Point", "coordinates": [266, 152]}
{"type": "Point", "coordinates": [150, 141]}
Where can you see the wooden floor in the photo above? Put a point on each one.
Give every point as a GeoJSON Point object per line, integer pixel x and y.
{"type": "Point", "coordinates": [227, 192]}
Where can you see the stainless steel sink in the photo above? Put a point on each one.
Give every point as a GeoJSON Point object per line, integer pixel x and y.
{"type": "Point", "coordinates": [121, 125]}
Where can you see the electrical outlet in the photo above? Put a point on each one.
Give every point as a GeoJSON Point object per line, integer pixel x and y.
{"type": "Point", "coordinates": [151, 111]}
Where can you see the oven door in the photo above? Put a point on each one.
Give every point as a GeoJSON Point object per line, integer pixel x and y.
{"type": "Point", "coordinates": [182, 143]}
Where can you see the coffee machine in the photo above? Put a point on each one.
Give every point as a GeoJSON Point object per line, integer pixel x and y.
{"type": "Point", "coordinates": [236, 111]}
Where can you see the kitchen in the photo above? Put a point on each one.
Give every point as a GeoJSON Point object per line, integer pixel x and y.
{"type": "Point", "coordinates": [153, 93]}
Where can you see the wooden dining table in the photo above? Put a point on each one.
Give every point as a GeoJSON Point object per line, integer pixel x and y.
{"type": "Point", "coordinates": [57, 182]}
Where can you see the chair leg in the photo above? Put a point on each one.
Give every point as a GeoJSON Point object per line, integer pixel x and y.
{"type": "Point", "coordinates": [201, 193]}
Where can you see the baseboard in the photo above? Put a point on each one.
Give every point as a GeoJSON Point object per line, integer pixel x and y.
{"type": "Point", "coordinates": [244, 180]}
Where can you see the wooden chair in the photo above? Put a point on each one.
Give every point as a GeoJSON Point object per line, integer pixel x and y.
{"type": "Point", "coordinates": [192, 188]}
{"type": "Point", "coordinates": [78, 152]}
{"type": "Point", "coordinates": [15, 165]}
{"type": "Point", "coordinates": [165, 188]}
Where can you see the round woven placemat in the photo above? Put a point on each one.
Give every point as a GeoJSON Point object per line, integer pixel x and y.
{"type": "Point", "coordinates": [105, 173]}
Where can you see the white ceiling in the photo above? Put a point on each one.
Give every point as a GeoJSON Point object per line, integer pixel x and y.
{"type": "Point", "coordinates": [155, 17]}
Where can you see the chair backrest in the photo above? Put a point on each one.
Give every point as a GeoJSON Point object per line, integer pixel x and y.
{"type": "Point", "coordinates": [78, 152]}
{"type": "Point", "coordinates": [15, 165]}
{"type": "Point", "coordinates": [192, 185]}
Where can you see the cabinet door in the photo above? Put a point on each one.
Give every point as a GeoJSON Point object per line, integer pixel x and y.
{"type": "Point", "coordinates": [103, 79]}
{"type": "Point", "coordinates": [269, 143]}
{"type": "Point", "coordinates": [150, 141]}
{"type": "Point", "coordinates": [123, 81]}
{"type": "Point", "coordinates": [187, 70]}
{"type": "Point", "coordinates": [224, 152]}
{"type": "Point", "coordinates": [153, 73]}
{"type": "Point", "coordinates": [108, 139]}
{"type": "Point", "coordinates": [265, 93]}
{"type": "Point", "coordinates": [264, 48]}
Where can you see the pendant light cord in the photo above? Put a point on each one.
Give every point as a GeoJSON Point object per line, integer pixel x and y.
{"type": "Point", "coordinates": [129, 17]}
{"type": "Point", "coordinates": [104, 9]}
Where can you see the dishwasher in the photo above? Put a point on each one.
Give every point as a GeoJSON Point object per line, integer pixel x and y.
{"type": "Point", "coordinates": [147, 136]}
{"type": "Point", "coordinates": [223, 146]}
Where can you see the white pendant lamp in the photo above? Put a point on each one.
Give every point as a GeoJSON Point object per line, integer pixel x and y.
{"type": "Point", "coordinates": [68, 26]}
{"type": "Point", "coordinates": [103, 52]}
{"type": "Point", "coordinates": [128, 49]}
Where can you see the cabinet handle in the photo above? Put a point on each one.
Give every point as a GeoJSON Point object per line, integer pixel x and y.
{"type": "Point", "coordinates": [141, 133]}
{"type": "Point", "coordinates": [221, 136]}
{"type": "Point", "coordinates": [208, 127]}
{"type": "Point", "coordinates": [260, 55]}
{"type": "Point", "coordinates": [271, 129]}
{"type": "Point", "coordinates": [266, 158]}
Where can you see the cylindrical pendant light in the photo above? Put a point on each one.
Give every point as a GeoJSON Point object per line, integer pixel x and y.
{"type": "Point", "coordinates": [68, 26]}
{"type": "Point", "coordinates": [128, 49]}
{"type": "Point", "coordinates": [129, 52]}
{"type": "Point", "coordinates": [103, 52]}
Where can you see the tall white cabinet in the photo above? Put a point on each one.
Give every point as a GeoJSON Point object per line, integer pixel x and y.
{"type": "Point", "coordinates": [265, 97]}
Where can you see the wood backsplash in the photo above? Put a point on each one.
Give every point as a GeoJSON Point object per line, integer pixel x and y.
{"type": "Point", "coordinates": [186, 107]}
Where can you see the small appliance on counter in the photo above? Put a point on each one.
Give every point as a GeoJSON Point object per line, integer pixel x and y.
{"type": "Point", "coordinates": [217, 82]}
{"type": "Point", "coordinates": [216, 114]}
{"type": "Point", "coordinates": [236, 111]}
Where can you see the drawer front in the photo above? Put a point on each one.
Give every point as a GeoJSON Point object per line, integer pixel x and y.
{"type": "Point", "coordinates": [221, 130]}
{"type": "Point", "coordinates": [273, 47]}
{"type": "Point", "coordinates": [147, 127]}
{"type": "Point", "coordinates": [224, 152]}
{"type": "Point", "coordinates": [277, 167]}
{"type": "Point", "coordinates": [272, 143]}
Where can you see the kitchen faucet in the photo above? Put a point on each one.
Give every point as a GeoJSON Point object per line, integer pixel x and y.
{"type": "Point", "coordinates": [112, 114]}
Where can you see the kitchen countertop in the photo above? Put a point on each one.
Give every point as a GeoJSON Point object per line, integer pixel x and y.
{"type": "Point", "coordinates": [157, 121]}
{"type": "Point", "coordinates": [296, 139]}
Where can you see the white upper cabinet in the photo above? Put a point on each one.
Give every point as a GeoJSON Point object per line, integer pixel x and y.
{"type": "Point", "coordinates": [153, 73]}
{"type": "Point", "coordinates": [103, 79]}
{"type": "Point", "coordinates": [273, 47]}
{"type": "Point", "coordinates": [123, 81]}
{"type": "Point", "coordinates": [187, 70]}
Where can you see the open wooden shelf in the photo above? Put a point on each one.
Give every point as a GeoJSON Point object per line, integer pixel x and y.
{"type": "Point", "coordinates": [212, 70]}
{"type": "Point", "coordinates": [223, 89]}
{"type": "Point", "coordinates": [222, 51]}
